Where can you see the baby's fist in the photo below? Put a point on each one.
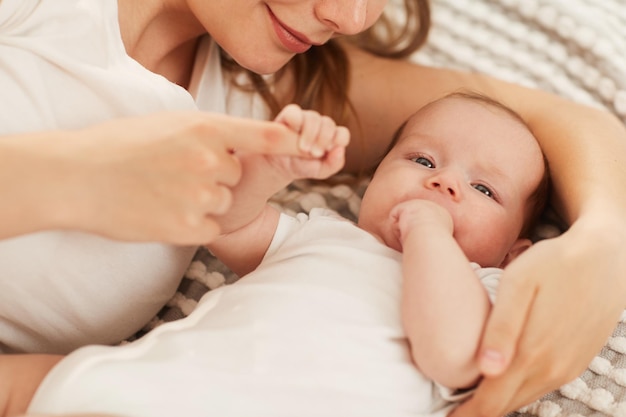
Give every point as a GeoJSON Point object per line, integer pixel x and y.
{"type": "Point", "coordinates": [317, 134]}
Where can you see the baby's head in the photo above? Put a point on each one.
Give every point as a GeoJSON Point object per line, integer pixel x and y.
{"type": "Point", "coordinates": [477, 159]}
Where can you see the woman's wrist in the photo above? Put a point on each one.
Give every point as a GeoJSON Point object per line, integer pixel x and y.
{"type": "Point", "coordinates": [604, 218]}
{"type": "Point", "coordinates": [599, 237]}
{"type": "Point", "coordinates": [34, 180]}
{"type": "Point", "coordinates": [63, 199]}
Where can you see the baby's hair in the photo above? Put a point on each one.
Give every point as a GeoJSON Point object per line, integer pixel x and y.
{"type": "Point", "coordinates": [539, 198]}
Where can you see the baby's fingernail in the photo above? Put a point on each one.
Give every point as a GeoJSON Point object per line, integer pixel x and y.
{"type": "Point", "coordinates": [491, 362]}
{"type": "Point", "coordinates": [317, 152]}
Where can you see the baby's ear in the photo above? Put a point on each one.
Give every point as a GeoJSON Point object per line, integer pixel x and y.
{"type": "Point", "coordinates": [516, 250]}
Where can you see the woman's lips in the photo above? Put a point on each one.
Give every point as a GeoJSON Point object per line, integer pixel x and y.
{"type": "Point", "coordinates": [293, 41]}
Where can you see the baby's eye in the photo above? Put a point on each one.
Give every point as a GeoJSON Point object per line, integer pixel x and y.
{"type": "Point", "coordinates": [423, 161]}
{"type": "Point", "coordinates": [485, 190]}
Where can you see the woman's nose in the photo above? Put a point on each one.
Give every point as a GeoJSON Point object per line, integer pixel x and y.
{"type": "Point", "coordinates": [445, 182]}
{"type": "Point", "coordinates": [346, 17]}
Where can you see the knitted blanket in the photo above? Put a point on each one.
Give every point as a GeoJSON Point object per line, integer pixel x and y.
{"type": "Point", "coordinates": [574, 48]}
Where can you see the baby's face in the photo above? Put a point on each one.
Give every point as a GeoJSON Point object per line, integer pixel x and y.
{"type": "Point", "coordinates": [475, 160]}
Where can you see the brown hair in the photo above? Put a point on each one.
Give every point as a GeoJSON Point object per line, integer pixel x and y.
{"type": "Point", "coordinates": [321, 75]}
{"type": "Point", "coordinates": [538, 200]}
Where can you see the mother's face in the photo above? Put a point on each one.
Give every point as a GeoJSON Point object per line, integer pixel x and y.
{"type": "Point", "coordinates": [264, 35]}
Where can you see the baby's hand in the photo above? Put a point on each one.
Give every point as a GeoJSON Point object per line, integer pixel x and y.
{"type": "Point", "coordinates": [317, 134]}
{"type": "Point", "coordinates": [319, 137]}
{"type": "Point", "coordinates": [423, 216]}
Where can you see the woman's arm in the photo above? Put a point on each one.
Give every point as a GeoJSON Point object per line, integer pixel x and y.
{"type": "Point", "coordinates": [576, 280]}
{"type": "Point", "coordinates": [161, 177]}
{"type": "Point", "coordinates": [20, 376]}
{"type": "Point", "coordinates": [444, 304]}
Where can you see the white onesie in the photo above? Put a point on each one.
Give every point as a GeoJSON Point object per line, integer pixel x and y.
{"type": "Point", "coordinates": [314, 331]}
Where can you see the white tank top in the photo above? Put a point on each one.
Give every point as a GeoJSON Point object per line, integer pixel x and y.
{"type": "Point", "coordinates": [64, 66]}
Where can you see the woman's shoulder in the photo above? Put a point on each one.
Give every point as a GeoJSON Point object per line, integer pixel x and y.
{"type": "Point", "coordinates": [32, 16]}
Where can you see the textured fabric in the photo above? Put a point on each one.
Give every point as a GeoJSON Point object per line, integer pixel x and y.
{"type": "Point", "coordinates": [213, 92]}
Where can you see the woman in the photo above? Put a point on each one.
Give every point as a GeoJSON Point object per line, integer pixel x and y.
{"type": "Point", "coordinates": [158, 176]}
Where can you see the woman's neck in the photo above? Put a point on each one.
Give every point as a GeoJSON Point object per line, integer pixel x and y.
{"type": "Point", "coordinates": [161, 35]}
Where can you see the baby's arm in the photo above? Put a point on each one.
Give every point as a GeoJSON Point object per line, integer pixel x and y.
{"type": "Point", "coordinates": [444, 305]}
{"type": "Point", "coordinates": [20, 376]}
{"type": "Point", "coordinates": [248, 227]}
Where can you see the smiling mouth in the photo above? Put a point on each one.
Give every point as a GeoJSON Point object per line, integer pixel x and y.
{"type": "Point", "coordinates": [293, 41]}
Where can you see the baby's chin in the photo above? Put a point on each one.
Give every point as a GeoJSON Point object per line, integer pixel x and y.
{"type": "Point", "coordinates": [486, 262]}
{"type": "Point", "coordinates": [483, 257]}
{"type": "Point", "coordinates": [391, 240]}
{"type": "Point", "coordinates": [395, 244]}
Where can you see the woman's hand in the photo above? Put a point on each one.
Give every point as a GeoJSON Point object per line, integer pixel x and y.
{"type": "Point", "coordinates": [322, 145]}
{"type": "Point", "coordinates": [541, 333]}
{"type": "Point", "coordinates": [154, 178]}
{"type": "Point", "coordinates": [249, 226]}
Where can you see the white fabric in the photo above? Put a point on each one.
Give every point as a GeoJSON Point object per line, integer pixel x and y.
{"type": "Point", "coordinates": [64, 66]}
{"type": "Point", "coordinates": [573, 48]}
{"type": "Point", "coordinates": [314, 331]}
{"type": "Point", "coordinates": [213, 90]}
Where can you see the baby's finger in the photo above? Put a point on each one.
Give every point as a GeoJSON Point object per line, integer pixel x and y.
{"type": "Point", "coordinates": [336, 159]}
{"type": "Point", "coordinates": [342, 136]}
{"type": "Point", "coordinates": [292, 117]}
{"type": "Point", "coordinates": [310, 131]}
{"type": "Point", "coordinates": [324, 140]}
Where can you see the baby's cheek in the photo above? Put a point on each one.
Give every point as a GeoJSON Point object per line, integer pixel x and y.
{"type": "Point", "coordinates": [483, 247]}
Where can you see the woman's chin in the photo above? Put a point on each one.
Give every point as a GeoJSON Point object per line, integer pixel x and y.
{"type": "Point", "coordinates": [265, 67]}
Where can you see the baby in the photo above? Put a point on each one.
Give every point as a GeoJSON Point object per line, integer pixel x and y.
{"type": "Point", "coordinates": [381, 318]}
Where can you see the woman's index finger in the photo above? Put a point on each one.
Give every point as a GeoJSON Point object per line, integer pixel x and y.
{"type": "Point", "coordinates": [262, 137]}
